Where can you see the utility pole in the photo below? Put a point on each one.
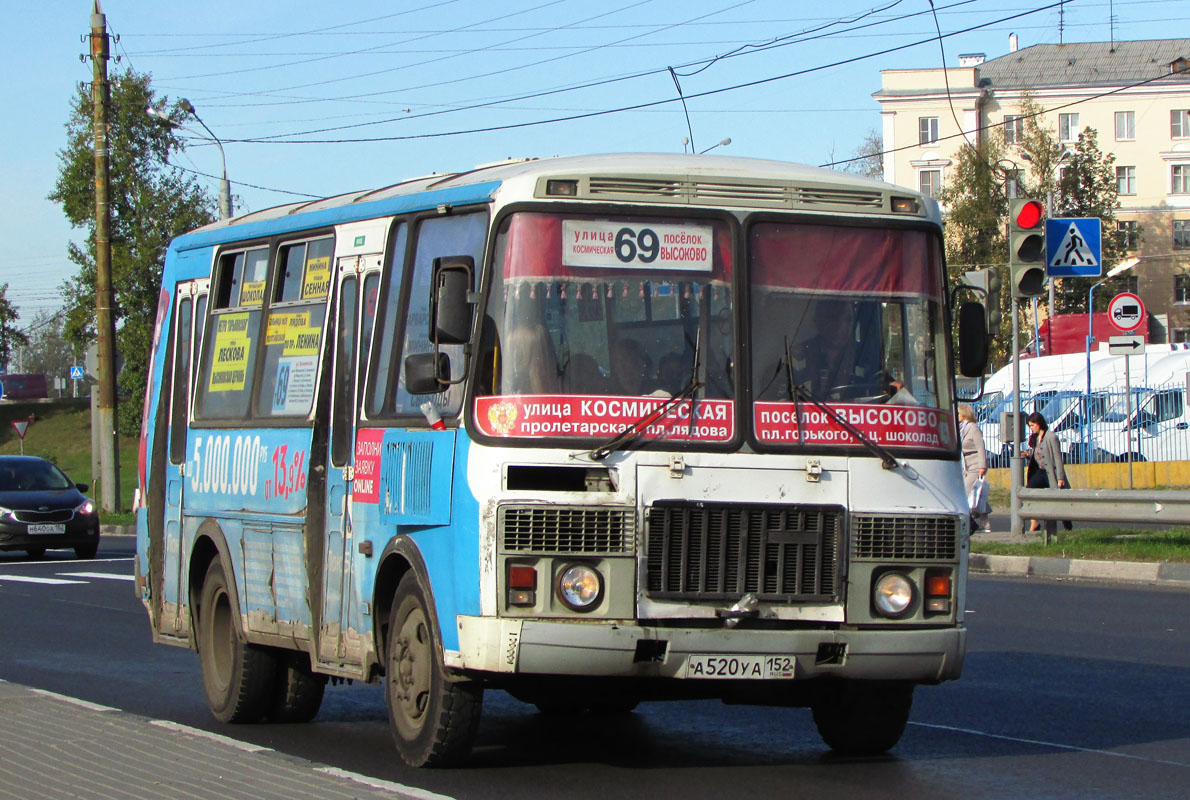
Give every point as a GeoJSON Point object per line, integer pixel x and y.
{"type": "Point", "coordinates": [104, 326]}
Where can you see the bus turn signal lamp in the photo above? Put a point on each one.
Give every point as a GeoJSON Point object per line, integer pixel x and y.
{"type": "Point", "coordinates": [1026, 247]}
{"type": "Point", "coordinates": [938, 593]}
{"type": "Point", "coordinates": [522, 585]}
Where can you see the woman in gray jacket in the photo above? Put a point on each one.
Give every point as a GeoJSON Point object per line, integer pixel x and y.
{"type": "Point", "coordinates": [1046, 469]}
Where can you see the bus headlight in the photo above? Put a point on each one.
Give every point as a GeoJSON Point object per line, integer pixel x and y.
{"type": "Point", "coordinates": [892, 594]}
{"type": "Point", "coordinates": [579, 587]}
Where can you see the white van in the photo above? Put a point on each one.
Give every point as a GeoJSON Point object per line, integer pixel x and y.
{"type": "Point", "coordinates": [1160, 421]}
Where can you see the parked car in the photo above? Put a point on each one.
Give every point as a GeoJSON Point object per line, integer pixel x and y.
{"type": "Point", "coordinates": [41, 509]}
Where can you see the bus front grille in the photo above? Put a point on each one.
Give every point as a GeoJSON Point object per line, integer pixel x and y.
{"type": "Point", "coordinates": [897, 537]}
{"type": "Point", "coordinates": [722, 551]}
{"type": "Point", "coordinates": [566, 529]}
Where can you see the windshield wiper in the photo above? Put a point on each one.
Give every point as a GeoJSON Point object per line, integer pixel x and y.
{"type": "Point", "coordinates": [633, 429]}
{"type": "Point", "coordinates": [887, 460]}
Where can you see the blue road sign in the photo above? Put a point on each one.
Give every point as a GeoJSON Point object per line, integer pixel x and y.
{"type": "Point", "coordinates": [76, 373]}
{"type": "Point", "coordinates": [1073, 247]}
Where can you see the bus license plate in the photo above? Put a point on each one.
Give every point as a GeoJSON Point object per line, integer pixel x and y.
{"type": "Point", "coordinates": [740, 667]}
{"type": "Point", "coordinates": [48, 528]}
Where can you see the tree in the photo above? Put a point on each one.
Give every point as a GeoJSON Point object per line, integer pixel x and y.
{"type": "Point", "coordinates": [1082, 180]}
{"type": "Point", "coordinates": [151, 203]}
{"type": "Point", "coordinates": [9, 335]}
{"type": "Point", "coordinates": [976, 202]}
{"type": "Point", "coordinates": [868, 160]}
{"type": "Point", "coordinates": [48, 350]}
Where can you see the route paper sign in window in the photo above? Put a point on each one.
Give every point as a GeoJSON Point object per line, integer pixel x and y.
{"type": "Point", "coordinates": [600, 243]}
{"type": "Point", "coordinates": [232, 346]}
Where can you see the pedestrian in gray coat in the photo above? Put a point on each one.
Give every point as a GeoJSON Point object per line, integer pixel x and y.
{"type": "Point", "coordinates": [1045, 467]}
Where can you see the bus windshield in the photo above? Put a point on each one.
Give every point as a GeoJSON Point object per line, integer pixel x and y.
{"type": "Point", "coordinates": [595, 321]}
{"type": "Point", "coordinates": [853, 317]}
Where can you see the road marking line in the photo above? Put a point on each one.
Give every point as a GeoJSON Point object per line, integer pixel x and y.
{"type": "Point", "coordinates": [214, 737]}
{"type": "Point", "coordinates": [74, 701]}
{"type": "Point", "coordinates": [53, 562]}
{"type": "Point", "coordinates": [388, 786]}
{"type": "Point", "coordinates": [111, 576]}
{"type": "Point", "coordinates": [1050, 744]}
{"type": "Point", "coordinates": [30, 579]}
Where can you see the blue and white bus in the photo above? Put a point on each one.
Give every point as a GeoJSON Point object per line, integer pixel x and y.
{"type": "Point", "coordinates": [589, 430]}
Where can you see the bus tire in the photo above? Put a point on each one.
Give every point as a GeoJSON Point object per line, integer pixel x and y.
{"type": "Point", "coordinates": [299, 691]}
{"type": "Point", "coordinates": [434, 719]}
{"type": "Point", "coordinates": [863, 718]}
{"type": "Point", "coordinates": [239, 678]}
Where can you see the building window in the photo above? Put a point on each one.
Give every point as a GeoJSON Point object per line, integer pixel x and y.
{"type": "Point", "coordinates": [1179, 179]}
{"type": "Point", "coordinates": [1128, 234]}
{"type": "Point", "coordinates": [1014, 128]}
{"type": "Point", "coordinates": [1181, 234]}
{"type": "Point", "coordinates": [1126, 180]}
{"type": "Point", "coordinates": [1181, 289]}
{"type": "Point", "coordinates": [929, 182]}
{"type": "Point", "coordinates": [1179, 123]}
{"type": "Point", "coordinates": [1181, 335]}
{"type": "Point", "coordinates": [1125, 126]}
{"type": "Point", "coordinates": [927, 130]}
{"type": "Point", "coordinates": [1068, 129]}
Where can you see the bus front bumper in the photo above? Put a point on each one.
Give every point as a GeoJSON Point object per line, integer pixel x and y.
{"type": "Point", "coordinates": [924, 655]}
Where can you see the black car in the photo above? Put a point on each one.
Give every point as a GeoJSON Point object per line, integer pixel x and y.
{"type": "Point", "coordinates": [40, 509]}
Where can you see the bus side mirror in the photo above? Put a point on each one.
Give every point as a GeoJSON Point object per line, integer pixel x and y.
{"type": "Point", "coordinates": [973, 340]}
{"type": "Point", "coordinates": [426, 373]}
{"type": "Point", "coordinates": [450, 304]}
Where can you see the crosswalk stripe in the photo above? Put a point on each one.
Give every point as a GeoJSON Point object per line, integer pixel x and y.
{"type": "Point", "coordinates": [107, 575]}
{"type": "Point", "coordinates": [30, 579]}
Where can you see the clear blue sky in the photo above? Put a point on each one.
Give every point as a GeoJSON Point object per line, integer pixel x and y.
{"type": "Point", "coordinates": [422, 68]}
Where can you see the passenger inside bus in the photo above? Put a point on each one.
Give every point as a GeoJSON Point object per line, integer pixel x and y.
{"type": "Point", "coordinates": [530, 366]}
{"type": "Point", "coordinates": [631, 368]}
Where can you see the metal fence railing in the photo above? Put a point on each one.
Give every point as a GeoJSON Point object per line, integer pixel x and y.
{"type": "Point", "coordinates": [1155, 426]}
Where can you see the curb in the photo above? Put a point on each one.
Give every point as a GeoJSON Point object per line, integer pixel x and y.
{"type": "Point", "coordinates": [116, 530]}
{"type": "Point", "coordinates": [1164, 573]}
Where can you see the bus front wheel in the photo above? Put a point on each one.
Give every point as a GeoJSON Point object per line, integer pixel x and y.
{"type": "Point", "coordinates": [863, 717]}
{"type": "Point", "coordinates": [239, 678]}
{"type": "Point", "coordinates": [434, 718]}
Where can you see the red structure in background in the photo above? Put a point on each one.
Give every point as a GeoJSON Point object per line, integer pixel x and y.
{"type": "Point", "coordinates": [1069, 333]}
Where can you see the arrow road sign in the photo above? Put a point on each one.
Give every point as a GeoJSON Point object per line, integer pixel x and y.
{"type": "Point", "coordinates": [1125, 345]}
{"type": "Point", "coordinates": [1073, 247]}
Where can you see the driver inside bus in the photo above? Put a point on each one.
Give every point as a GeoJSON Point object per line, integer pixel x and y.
{"type": "Point", "coordinates": [829, 359]}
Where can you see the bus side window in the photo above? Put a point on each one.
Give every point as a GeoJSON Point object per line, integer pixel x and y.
{"type": "Point", "coordinates": [293, 334]}
{"type": "Point", "coordinates": [229, 348]}
{"type": "Point", "coordinates": [180, 384]}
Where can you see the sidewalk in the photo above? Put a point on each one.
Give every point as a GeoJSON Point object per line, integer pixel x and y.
{"type": "Point", "coordinates": [58, 747]}
{"type": "Point", "coordinates": [1166, 574]}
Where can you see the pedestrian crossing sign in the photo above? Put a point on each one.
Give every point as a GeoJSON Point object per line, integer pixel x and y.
{"type": "Point", "coordinates": [1073, 247]}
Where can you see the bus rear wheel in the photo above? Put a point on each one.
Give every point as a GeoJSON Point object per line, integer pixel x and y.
{"type": "Point", "coordinates": [298, 690]}
{"type": "Point", "coordinates": [862, 718]}
{"type": "Point", "coordinates": [433, 718]}
{"type": "Point", "coordinates": [239, 678]}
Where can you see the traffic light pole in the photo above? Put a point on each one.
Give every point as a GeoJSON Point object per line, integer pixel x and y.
{"type": "Point", "coordinates": [1015, 465]}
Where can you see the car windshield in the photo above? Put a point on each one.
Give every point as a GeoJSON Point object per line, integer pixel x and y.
{"type": "Point", "coordinates": [594, 322]}
{"type": "Point", "coordinates": [32, 476]}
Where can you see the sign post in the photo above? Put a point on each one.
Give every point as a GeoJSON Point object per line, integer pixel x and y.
{"type": "Point", "coordinates": [1126, 311]}
{"type": "Point", "coordinates": [22, 427]}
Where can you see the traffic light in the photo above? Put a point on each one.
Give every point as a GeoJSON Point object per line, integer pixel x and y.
{"type": "Point", "coordinates": [1026, 247]}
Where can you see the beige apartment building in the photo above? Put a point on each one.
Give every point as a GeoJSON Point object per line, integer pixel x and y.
{"type": "Point", "coordinates": [1136, 95]}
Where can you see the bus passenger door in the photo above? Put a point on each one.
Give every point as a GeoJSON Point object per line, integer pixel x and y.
{"type": "Point", "coordinates": [189, 314]}
{"type": "Point", "coordinates": [359, 279]}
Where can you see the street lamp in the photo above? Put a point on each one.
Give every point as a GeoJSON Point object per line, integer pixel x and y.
{"type": "Point", "coordinates": [720, 143]}
{"type": "Point", "coordinates": [224, 184]}
{"type": "Point", "coordinates": [1123, 266]}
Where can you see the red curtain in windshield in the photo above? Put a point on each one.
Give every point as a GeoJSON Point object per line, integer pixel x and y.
{"type": "Point", "coordinates": [534, 250]}
{"type": "Point", "coordinates": [826, 258]}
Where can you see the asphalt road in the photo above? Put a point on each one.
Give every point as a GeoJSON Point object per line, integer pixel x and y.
{"type": "Point", "coordinates": [1070, 689]}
